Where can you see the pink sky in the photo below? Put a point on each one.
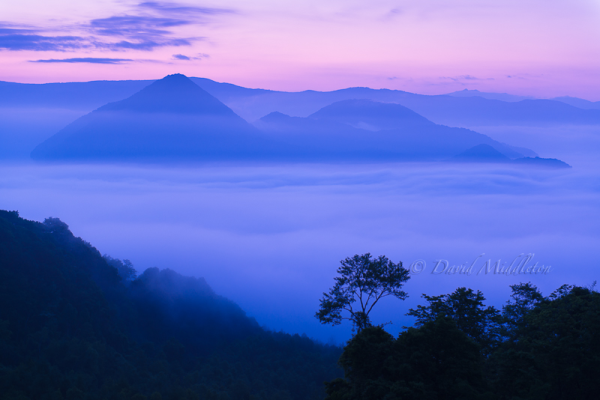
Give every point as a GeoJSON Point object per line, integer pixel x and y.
{"type": "Point", "coordinates": [543, 48]}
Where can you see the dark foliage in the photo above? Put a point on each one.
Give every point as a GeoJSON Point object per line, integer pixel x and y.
{"type": "Point", "coordinates": [553, 351]}
{"type": "Point", "coordinates": [124, 268]}
{"type": "Point", "coordinates": [362, 282]}
{"type": "Point", "coordinates": [538, 348]}
{"type": "Point", "coordinates": [435, 361]}
{"type": "Point", "coordinates": [465, 307]}
{"type": "Point", "coordinates": [76, 325]}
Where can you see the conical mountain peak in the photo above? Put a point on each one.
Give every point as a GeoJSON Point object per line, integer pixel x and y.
{"type": "Point", "coordinates": [172, 118]}
{"type": "Point", "coordinates": [173, 94]}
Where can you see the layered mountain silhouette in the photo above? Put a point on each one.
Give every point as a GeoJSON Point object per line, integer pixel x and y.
{"type": "Point", "coordinates": [171, 118]}
{"type": "Point", "coordinates": [467, 109]}
{"type": "Point", "coordinates": [371, 115]}
{"type": "Point", "coordinates": [484, 153]}
{"type": "Point", "coordinates": [372, 130]}
{"type": "Point", "coordinates": [481, 153]}
{"type": "Point", "coordinates": [31, 112]}
{"type": "Point", "coordinates": [579, 103]}
{"type": "Point", "coordinates": [84, 96]}
{"type": "Point", "coordinates": [491, 96]}
{"type": "Point", "coordinates": [541, 162]}
{"type": "Point", "coordinates": [511, 98]}
{"type": "Point", "coordinates": [442, 109]}
{"type": "Point", "coordinates": [463, 108]}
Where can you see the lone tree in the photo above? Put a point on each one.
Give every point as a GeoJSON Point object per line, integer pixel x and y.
{"type": "Point", "coordinates": [362, 282]}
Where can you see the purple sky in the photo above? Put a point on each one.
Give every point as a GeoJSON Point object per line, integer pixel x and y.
{"type": "Point", "coordinates": [543, 48]}
{"type": "Point", "coordinates": [271, 237]}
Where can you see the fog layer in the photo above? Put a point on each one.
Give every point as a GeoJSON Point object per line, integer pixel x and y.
{"type": "Point", "coordinates": [270, 237]}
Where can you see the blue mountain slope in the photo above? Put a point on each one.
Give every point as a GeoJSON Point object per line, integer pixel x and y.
{"type": "Point", "coordinates": [541, 162]}
{"type": "Point", "coordinates": [456, 109]}
{"type": "Point", "coordinates": [442, 109]}
{"type": "Point", "coordinates": [173, 119]}
{"type": "Point", "coordinates": [173, 94]}
{"type": "Point", "coordinates": [371, 115]}
{"type": "Point", "coordinates": [478, 111]}
{"type": "Point", "coordinates": [483, 153]}
{"type": "Point", "coordinates": [579, 103]}
{"type": "Point", "coordinates": [487, 95]}
{"type": "Point", "coordinates": [375, 130]}
{"type": "Point", "coordinates": [170, 119]}
{"type": "Point", "coordinates": [84, 96]}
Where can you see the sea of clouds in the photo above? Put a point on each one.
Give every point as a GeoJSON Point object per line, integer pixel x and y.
{"type": "Point", "coordinates": [270, 236]}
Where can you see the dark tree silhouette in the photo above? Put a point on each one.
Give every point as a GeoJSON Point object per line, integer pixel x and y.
{"type": "Point", "coordinates": [549, 348]}
{"type": "Point", "coordinates": [74, 325]}
{"type": "Point", "coordinates": [362, 282]}
{"type": "Point", "coordinates": [465, 307]}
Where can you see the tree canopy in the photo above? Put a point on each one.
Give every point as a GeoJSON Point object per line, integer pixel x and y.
{"type": "Point", "coordinates": [466, 308]}
{"type": "Point", "coordinates": [362, 282]}
{"type": "Point", "coordinates": [537, 348]}
{"type": "Point", "coordinates": [76, 325]}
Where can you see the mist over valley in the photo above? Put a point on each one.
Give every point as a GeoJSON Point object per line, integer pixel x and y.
{"type": "Point", "coordinates": [190, 228]}
{"type": "Point", "coordinates": [263, 210]}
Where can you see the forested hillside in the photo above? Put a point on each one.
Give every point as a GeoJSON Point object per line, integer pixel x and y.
{"type": "Point", "coordinates": [77, 325]}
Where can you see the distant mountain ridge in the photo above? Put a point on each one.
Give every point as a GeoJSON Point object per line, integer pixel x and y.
{"type": "Point", "coordinates": [470, 108]}
{"type": "Point", "coordinates": [580, 103]}
{"type": "Point", "coordinates": [490, 96]}
{"type": "Point", "coordinates": [463, 111]}
{"type": "Point", "coordinates": [172, 94]}
{"type": "Point", "coordinates": [572, 101]}
{"type": "Point", "coordinates": [484, 153]}
{"type": "Point", "coordinates": [383, 131]}
{"type": "Point", "coordinates": [481, 153]}
{"type": "Point", "coordinates": [171, 118]}
{"type": "Point", "coordinates": [86, 96]}
{"type": "Point", "coordinates": [370, 115]}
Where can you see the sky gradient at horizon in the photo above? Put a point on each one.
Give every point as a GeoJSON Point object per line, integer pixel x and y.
{"type": "Point", "coordinates": [538, 48]}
